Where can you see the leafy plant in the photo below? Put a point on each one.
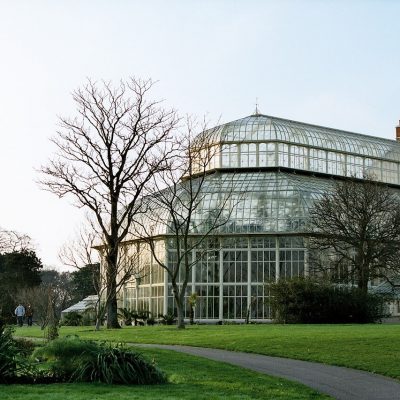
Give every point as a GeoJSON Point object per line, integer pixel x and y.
{"type": "Point", "coordinates": [8, 350]}
{"type": "Point", "coordinates": [138, 317]}
{"type": "Point", "coordinates": [75, 360]}
{"type": "Point", "coordinates": [167, 319]}
{"type": "Point", "coordinates": [304, 300]}
{"type": "Point", "coordinates": [143, 315]}
{"type": "Point", "coordinates": [24, 347]}
{"type": "Point", "coordinates": [117, 365]}
{"type": "Point", "coordinates": [151, 321]}
{"type": "Point", "coordinates": [126, 315]}
{"type": "Point", "coordinates": [13, 364]}
{"type": "Point", "coordinates": [63, 355]}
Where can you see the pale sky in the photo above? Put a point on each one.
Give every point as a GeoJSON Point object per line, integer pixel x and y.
{"type": "Point", "coordinates": [332, 63]}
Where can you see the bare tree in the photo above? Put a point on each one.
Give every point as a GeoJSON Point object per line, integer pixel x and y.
{"type": "Point", "coordinates": [80, 253]}
{"type": "Point", "coordinates": [106, 158]}
{"type": "Point", "coordinates": [356, 232]}
{"type": "Point", "coordinates": [81, 250]}
{"type": "Point", "coordinates": [191, 203]}
{"type": "Point", "coordinates": [11, 241]}
{"type": "Point", "coordinates": [54, 289]}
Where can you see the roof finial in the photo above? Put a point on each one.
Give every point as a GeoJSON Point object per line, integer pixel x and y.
{"type": "Point", "coordinates": [256, 111]}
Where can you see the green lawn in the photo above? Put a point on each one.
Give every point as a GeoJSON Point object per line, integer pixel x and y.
{"type": "Point", "coordinates": [190, 378]}
{"type": "Point", "coordinates": [373, 348]}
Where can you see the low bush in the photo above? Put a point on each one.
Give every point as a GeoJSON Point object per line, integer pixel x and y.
{"type": "Point", "coordinates": [144, 315]}
{"type": "Point", "coordinates": [126, 315]}
{"type": "Point", "coordinates": [63, 356]}
{"type": "Point", "coordinates": [75, 360]}
{"type": "Point", "coordinates": [167, 319]}
{"type": "Point", "coordinates": [137, 317]}
{"type": "Point", "coordinates": [117, 365]}
{"type": "Point", "coordinates": [8, 351]}
{"type": "Point", "coordinates": [304, 300]}
{"type": "Point", "coordinates": [13, 364]}
{"type": "Point", "coordinates": [24, 347]}
{"type": "Point", "coordinates": [151, 321]}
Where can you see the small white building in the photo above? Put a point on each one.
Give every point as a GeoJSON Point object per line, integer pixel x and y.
{"type": "Point", "coordinates": [84, 305]}
{"type": "Point", "coordinates": [392, 292]}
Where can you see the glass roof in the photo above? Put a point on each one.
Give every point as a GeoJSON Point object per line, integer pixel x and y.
{"type": "Point", "coordinates": [264, 128]}
{"type": "Point", "coordinates": [262, 202]}
{"type": "Point", "coordinates": [387, 289]}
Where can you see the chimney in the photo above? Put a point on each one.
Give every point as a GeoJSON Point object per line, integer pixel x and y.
{"type": "Point", "coordinates": [398, 132]}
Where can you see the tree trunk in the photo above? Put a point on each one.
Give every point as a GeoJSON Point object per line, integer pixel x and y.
{"type": "Point", "coordinates": [111, 302]}
{"type": "Point", "coordinates": [191, 315]}
{"type": "Point", "coordinates": [363, 281]}
{"type": "Point", "coordinates": [99, 313]}
{"type": "Point", "coordinates": [98, 323]}
{"type": "Point", "coordinates": [363, 271]}
{"type": "Point", "coordinates": [112, 314]}
{"type": "Point", "coordinates": [179, 298]}
{"type": "Point", "coordinates": [180, 324]}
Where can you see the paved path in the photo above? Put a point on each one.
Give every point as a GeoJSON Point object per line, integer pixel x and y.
{"type": "Point", "coordinates": [340, 383]}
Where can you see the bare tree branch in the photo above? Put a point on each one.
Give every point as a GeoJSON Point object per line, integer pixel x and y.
{"type": "Point", "coordinates": [11, 241]}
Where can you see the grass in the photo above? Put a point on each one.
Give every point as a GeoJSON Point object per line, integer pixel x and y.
{"type": "Point", "coordinates": [373, 347]}
{"type": "Point", "coordinates": [190, 378]}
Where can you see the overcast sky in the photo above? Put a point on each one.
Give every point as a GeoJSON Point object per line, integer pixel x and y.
{"type": "Point", "coordinates": [332, 63]}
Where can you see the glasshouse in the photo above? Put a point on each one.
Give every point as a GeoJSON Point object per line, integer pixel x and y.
{"type": "Point", "coordinates": [274, 169]}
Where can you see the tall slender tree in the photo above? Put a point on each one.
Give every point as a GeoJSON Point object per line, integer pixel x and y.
{"type": "Point", "coordinates": [106, 158]}
{"type": "Point", "coordinates": [191, 203]}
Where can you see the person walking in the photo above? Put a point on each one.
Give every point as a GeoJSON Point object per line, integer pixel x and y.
{"type": "Point", "coordinates": [29, 314]}
{"type": "Point", "coordinates": [20, 313]}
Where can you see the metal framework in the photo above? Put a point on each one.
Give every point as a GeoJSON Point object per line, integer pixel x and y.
{"type": "Point", "coordinates": [277, 169]}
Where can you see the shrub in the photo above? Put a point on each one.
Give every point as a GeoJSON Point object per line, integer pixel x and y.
{"type": "Point", "coordinates": [75, 360]}
{"type": "Point", "coordinates": [127, 315]}
{"type": "Point", "coordinates": [167, 319]}
{"type": "Point", "coordinates": [24, 347]}
{"type": "Point", "coordinates": [8, 350]}
{"type": "Point", "coordinates": [151, 321]}
{"type": "Point", "coordinates": [137, 317]}
{"type": "Point", "coordinates": [13, 365]}
{"type": "Point", "coordinates": [144, 315]}
{"type": "Point", "coordinates": [304, 300]}
{"type": "Point", "coordinates": [116, 365]}
{"type": "Point", "coordinates": [64, 355]}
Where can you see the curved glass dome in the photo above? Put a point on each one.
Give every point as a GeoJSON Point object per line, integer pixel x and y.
{"type": "Point", "coordinates": [263, 203]}
{"type": "Point", "coordinates": [261, 141]}
{"type": "Point", "coordinates": [258, 127]}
